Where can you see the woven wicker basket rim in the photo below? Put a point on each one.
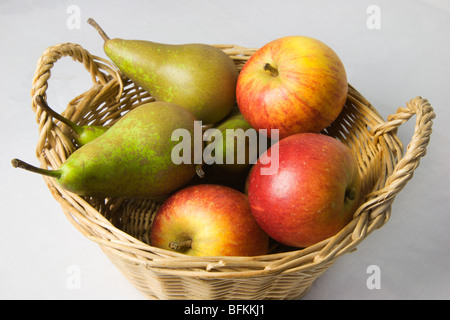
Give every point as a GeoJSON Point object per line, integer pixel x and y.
{"type": "Point", "coordinates": [111, 91]}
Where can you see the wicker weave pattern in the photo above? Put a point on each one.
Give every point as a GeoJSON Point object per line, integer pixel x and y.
{"type": "Point", "coordinates": [121, 226]}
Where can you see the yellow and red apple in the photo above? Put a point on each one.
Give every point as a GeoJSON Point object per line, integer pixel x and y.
{"type": "Point", "coordinates": [208, 220]}
{"type": "Point", "coordinates": [313, 195]}
{"type": "Point", "coordinates": [294, 84]}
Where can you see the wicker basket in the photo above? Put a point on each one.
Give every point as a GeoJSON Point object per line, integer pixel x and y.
{"type": "Point", "coordinates": [121, 226]}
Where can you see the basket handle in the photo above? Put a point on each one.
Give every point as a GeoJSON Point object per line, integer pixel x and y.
{"type": "Point", "coordinates": [380, 201]}
{"type": "Point", "coordinates": [95, 65]}
{"type": "Point", "coordinates": [101, 70]}
{"type": "Point", "coordinates": [404, 169]}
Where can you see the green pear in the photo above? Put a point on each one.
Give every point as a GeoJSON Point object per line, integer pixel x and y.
{"type": "Point", "coordinates": [83, 134]}
{"type": "Point", "coordinates": [198, 77]}
{"type": "Point", "coordinates": [132, 159]}
{"type": "Point", "coordinates": [233, 147]}
{"type": "Point", "coordinates": [220, 171]}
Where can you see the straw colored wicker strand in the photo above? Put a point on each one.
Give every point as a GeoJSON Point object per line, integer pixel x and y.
{"type": "Point", "coordinates": [121, 227]}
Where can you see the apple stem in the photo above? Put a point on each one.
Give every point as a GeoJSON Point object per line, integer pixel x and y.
{"type": "Point", "coordinates": [273, 71]}
{"type": "Point", "coordinates": [350, 194]}
{"type": "Point", "coordinates": [180, 245]}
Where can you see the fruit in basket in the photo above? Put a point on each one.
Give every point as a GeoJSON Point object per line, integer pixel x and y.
{"type": "Point", "coordinates": [208, 220]}
{"type": "Point", "coordinates": [231, 148]}
{"type": "Point", "coordinates": [198, 77]}
{"type": "Point", "coordinates": [132, 159]}
{"type": "Point", "coordinates": [231, 152]}
{"type": "Point", "coordinates": [83, 134]}
{"type": "Point", "coordinates": [294, 84]}
{"type": "Point", "coordinates": [312, 196]}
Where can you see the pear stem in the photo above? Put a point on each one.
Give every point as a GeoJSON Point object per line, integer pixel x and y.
{"type": "Point", "coordinates": [199, 170]}
{"type": "Point", "coordinates": [16, 163]}
{"type": "Point", "coordinates": [102, 33]}
{"type": "Point", "coordinates": [273, 71]}
{"type": "Point", "coordinates": [44, 106]}
{"type": "Point", "coordinates": [180, 245]}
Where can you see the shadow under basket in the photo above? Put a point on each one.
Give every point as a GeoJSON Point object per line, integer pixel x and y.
{"type": "Point", "coordinates": [121, 227]}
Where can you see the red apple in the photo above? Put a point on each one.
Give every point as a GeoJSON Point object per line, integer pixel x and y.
{"type": "Point", "coordinates": [208, 220]}
{"type": "Point", "coordinates": [294, 84]}
{"type": "Point", "coordinates": [312, 196]}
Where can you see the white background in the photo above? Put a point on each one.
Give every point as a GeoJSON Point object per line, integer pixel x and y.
{"type": "Point", "coordinates": [406, 57]}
